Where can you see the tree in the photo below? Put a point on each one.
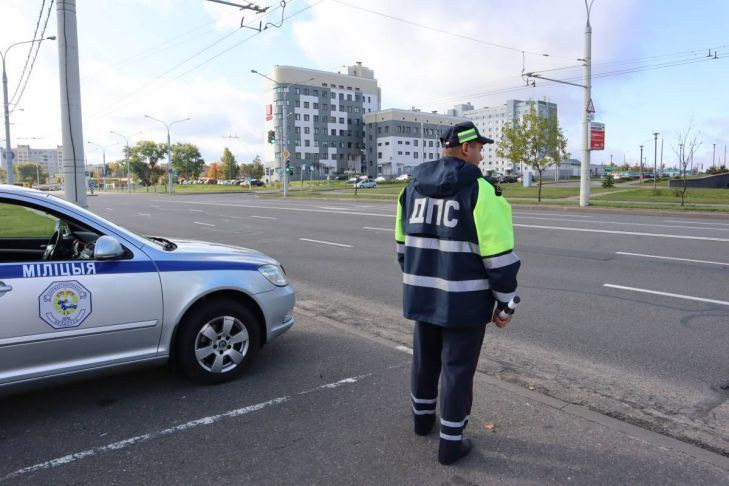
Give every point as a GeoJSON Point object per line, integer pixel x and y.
{"type": "Point", "coordinates": [536, 141]}
{"type": "Point", "coordinates": [143, 157]}
{"type": "Point", "coordinates": [257, 168]}
{"type": "Point", "coordinates": [187, 161]}
{"type": "Point", "coordinates": [214, 171]}
{"type": "Point", "coordinates": [3, 176]}
{"type": "Point", "coordinates": [688, 143]}
{"type": "Point", "coordinates": [228, 165]}
{"type": "Point", "coordinates": [29, 173]}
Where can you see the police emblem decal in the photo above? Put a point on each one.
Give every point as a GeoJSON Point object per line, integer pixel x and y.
{"type": "Point", "coordinates": [65, 304]}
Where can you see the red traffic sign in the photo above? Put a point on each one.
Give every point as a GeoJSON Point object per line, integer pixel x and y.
{"type": "Point", "coordinates": [597, 136]}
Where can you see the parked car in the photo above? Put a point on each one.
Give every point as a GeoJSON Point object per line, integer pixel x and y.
{"type": "Point", "coordinates": [368, 184]}
{"type": "Point", "coordinates": [380, 179]}
{"type": "Point", "coordinates": [80, 294]}
{"type": "Point", "coordinates": [403, 177]}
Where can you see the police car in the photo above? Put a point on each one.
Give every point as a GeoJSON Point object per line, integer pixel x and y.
{"type": "Point", "coordinates": [79, 294]}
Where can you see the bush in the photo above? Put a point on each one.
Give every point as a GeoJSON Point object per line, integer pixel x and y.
{"type": "Point", "coordinates": [608, 181]}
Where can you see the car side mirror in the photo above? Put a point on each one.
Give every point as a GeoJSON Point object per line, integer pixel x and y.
{"type": "Point", "coordinates": [107, 248]}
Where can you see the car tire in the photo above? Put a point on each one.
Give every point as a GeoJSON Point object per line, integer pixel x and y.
{"type": "Point", "coordinates": [217, 341]}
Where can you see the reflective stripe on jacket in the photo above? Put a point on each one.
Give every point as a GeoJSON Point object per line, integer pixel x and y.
{"type": "Point", "coordinates": [455, 245]}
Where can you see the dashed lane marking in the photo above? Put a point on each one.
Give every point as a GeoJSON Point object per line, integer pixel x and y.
{"type": "Point", "coordinates": [670, 258]}
{"type": "Point", "coordinates": [666, 294]}
{"type": "Point", "coordinates": [203, 224]}
{"type": "Point", "coordinates": [378, 229]}
{"type": "Point", "coordinates": [634, 233]}
{"type": "Point", "coordinates": [263, 217]}
{"type": "Point", "coordinates": [326, 242]}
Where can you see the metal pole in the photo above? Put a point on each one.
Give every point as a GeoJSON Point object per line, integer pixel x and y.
{"type": "Point", "coordinates": [641, 163]}
{"type": "Point", "coordinates": [284, 174]}
{"type": "Point", "coordinates": [713, 157]}
{"type": "Point", "coordinates": [8, 153]}
{"type": "Point", "coordinates": [585, 168]}
{"type": "Point", "coordinates": [655, 160]}
{"type": "Point", "coordinates": [169, 162]}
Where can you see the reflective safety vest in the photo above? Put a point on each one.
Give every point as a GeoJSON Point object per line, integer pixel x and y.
{"type": "Point", "coordinates": [455, 245]}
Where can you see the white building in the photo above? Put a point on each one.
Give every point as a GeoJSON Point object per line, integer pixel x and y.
{"type": "Point", "coordinates": [321, 114]}
{"type": "Point", "coordinates": [50, 159]}
{"type": "Point", "coordinates": [490, 122]}
{"type": "Point", "coordinates": [398, 140]}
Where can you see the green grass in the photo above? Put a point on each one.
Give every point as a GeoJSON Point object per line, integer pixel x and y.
{"type": "Point", "coordinates": [664, 194]}
{"type": "Point", "coordinates": [16, 221]}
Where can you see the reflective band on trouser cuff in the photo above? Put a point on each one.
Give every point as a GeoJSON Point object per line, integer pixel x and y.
{"type": "Point", "coordinates": [445, 285]}
{"type": "Point", "coordinates": [500, 261]}
{"type": "Point", "coordinates": [451, 437]}
{"type": "Point", "coordinates": [467, 135]}
{"type": "Point", "coordinates": [501, 297]}
{"type": "Point", "coordinates": [422, 400]}
{"type": "Point", "coordinates": [448, 423]}
{"type": "Point", "coordinates": [400, 247]}
{"type": "Point", "coordinates": [423, 412]}
{"type": "Point", "coordinates": [452, 246]}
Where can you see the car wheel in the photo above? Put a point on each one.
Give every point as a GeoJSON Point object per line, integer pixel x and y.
{"type": "Point", "coordinates": [217, 342]}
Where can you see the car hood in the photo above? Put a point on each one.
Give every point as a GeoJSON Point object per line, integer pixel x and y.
{"type": "Point", "coordinates": [204, 250]}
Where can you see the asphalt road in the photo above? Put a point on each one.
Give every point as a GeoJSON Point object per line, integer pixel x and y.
{"type": "Point", "coordinates": [625, 313]}
{"type": "Point", "coordinates": [649, 348]}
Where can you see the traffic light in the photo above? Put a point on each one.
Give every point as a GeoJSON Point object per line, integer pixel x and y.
{"type": "Point", "coordinates": [289, 169]}
{"type": "Point", "coordinates": [271, 136]}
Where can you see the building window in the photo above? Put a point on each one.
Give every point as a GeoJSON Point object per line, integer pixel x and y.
{"type": "Point", "coordinates": [316, 131]}
{"type": "Point", "coordinates": [341, 133]}
{"type": "Point", "coordinates": [387, 129]}
{"type": "Point", "coordinates": [316, 92]}
{"type": "Point", "coordinates": [297, 142]}
{"type": "Point", "coordinates": [306, 104]}
{"type": "Point", "coordinates": [415, 142]}
{"type": "Point", "coordinates": [407, 153]}
{"type": "Point", "coordinates": [334, 132]}
{"type": "Point", "coordinates": [316, 106]}
{"type": "Point", "coordinates": [349, 145]}
{"type": "Point", "coordinates": [298, 130]}
{"type": "Point", "coordinates": [306, 130]}
{"type": "Point", "coordinates": [407, 143]}
{"type": "Point", "coordinates": [341, 120]}
{"type": "Point", "coordinates": [399, 153]}
{"type": "Point", "coordinates": [415, 155]}
{"type": "Point", "coordinates": [307, 143]}
{"type": "Point", "coordinates": [399, 142]}
{"type": "Point", "coordinates": [306, 117]}
{"type": "Point", "coordinates": [324, 106]}
{"type": "Point", "coordinates": [306, 91]}
{"type": "Point", "coordinates": [387, 143]}
{"type": "Point", "coordinates": [379, 155]}
{"type": "Point", "coordinates": [297, 91]}
{"type": "Point", "coordinates": [316, 118]}
{"type": "Point", "coordinates": [333, 95]}
{"type": "Point", "coordinates": [334, 156]}
{"type": "Point", "coordinates": [379, 129]}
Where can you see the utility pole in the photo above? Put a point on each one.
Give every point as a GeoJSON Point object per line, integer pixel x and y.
{"type": "Point", "coordinates": [126, 157]}
{"type": "Point", "coordinates": [74, 174]}
{"type": "Point", "coordinates": [103, 155]}
{"type": "Point", "coordinates": [655, 160]}
{"type": "Point", "coordinates": [641, 163]}
{"type": "Point", "coordinates": [587, 99]}
{"type": "Point", "coordinates": [713, 157]}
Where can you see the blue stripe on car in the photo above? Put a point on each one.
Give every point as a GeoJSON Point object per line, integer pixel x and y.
{"type": "Point", "coordinates": [70, 269]}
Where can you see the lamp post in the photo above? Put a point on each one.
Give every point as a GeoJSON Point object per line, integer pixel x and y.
{"type": "Point", "coordinates": [283, 143]}
{"type": "Point", "coordinates": [655, 160]}
{"type": "Point", "coordinates": [126, 156]}
{"type": "Point", "coordinates": [8, 151]}
{"type": "Point", "coordinates": [641, 163]}
{"type": "Point", "coordinates": [169, 147]}
{"type": "Point", "coordinates": [103, 155]}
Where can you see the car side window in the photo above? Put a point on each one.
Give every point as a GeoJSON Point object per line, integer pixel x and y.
{"type": "Point", "coordinates": [23, 222]}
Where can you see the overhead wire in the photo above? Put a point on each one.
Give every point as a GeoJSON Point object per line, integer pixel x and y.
{"type": "Point", "coordinates": [35, 56]}
{"type": "Point", "coordinates": [30, 51]}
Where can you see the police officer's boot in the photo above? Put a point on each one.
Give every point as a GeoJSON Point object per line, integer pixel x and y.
{"type": "Point", "coordinates": [451, 451]}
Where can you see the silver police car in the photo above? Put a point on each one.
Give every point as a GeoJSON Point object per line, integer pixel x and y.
{"type": "Point", "coordinates": [79, 294]}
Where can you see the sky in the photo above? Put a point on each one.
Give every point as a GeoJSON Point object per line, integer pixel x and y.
{"type": "Point", "coordinates": [173, 59]}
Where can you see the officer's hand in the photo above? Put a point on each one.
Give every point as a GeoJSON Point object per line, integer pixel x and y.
{"type": "Point", "coordinates": [499, 321]}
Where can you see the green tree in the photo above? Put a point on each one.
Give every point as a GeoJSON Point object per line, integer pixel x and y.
{"type": "Point", "coordinates": [536, 141]}
{"type": "Point", "coordinates": [29, 173]}
{"type": "Point", "coordinates": [143, 158]}
{"type": "Point", "coordinates": [256, 168]}
{"type": "Point", "coordinates": [187, 161]}
{"type": "Point", "coordinates": [228, 165]}
{"type": "Point", "coordinates": [3, 176]}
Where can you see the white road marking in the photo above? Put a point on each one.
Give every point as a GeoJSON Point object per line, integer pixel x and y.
{"type": "Point", "coordinates": [203, 224]}
{"type": "Point", "coordinates": [667, 294]}
{"type": "Point", "coordinates": [196, 210]}
{"type": "Point", "coordinates": [516, 213]}
{"type": "Point", "coordinates": [123, 444]}
{"type": "Point", "coordinates": [326, 242]}
{"type": "Point", "coordinates": [692, 222]}
{"type": "Point", "coordinates": [145, 214]}
{"type": "Point", "coordinates": [109, 209]}
{"type": "Point", "coordinates": [634, 233]}
{"type": "Point", "coordinates": [670, 258]}
{"type": "Point", "coordinates": [262, 217]}
{"type": "Point", "coordinates": [378, 229]}
{"type": "Point", "coordinates": [335, 208]}
{"type": "Point", "coordinates": [404, 349]}
{"type": "Point", "coordinates": [618, 222]}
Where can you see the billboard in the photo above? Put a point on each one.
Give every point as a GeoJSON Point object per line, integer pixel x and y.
{"type": "Point", "coordinates": [269, 112]}
{"type": "Point", "coordinates": [597, 136]}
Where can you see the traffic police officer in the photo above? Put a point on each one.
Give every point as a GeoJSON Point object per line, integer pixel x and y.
{"type": "Point", "coordinates": [455, 246]}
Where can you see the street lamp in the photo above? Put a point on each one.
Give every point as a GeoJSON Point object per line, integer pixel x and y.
{"type": "Point", "coordinates": [169, 147]}
{"type": "Point", "coordinates": [126, 156]}
{"type": "Point", "coordinates": [8, 152]}
{"type": "Point", "coordinates": [655, 160]}
{"type": "Point", "coordinates": [103, 154]}
{"type": "Point", "coordinates": [283, 143]}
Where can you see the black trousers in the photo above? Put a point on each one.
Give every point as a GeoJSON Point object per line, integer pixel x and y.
{"type": "Point", "coordinates": [451, 354]}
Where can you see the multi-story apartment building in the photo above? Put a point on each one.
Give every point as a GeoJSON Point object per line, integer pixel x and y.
{"type": "Point", "coordinates": [398, 140]}
{"type": "Point", "coordinates": [490, 122]}
{"type": "Point", "coordinates": [318, 117]}
{"type": "Point", "coordinates": [50, 159]}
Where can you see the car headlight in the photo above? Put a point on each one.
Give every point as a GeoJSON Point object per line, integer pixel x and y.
{"type": "Point", "coordinates": [274, 274]}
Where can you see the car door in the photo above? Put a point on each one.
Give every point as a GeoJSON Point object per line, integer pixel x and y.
{"type": "Point", "coordinates": [68, 314]}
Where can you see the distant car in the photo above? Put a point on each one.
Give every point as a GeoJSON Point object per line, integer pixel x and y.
{"type": "Point", "coordinates": [352, 179]}
{"type": "Point", "coordinates": [257, 182]}
{"type": "Point", "coordinates": [369, 184]}
{"type": "Point", "coordinates": [380, 179]}
{"type": "Point", "coordinates": [403, 177]}
{"type": "Point", "coordinates": [206, 307]}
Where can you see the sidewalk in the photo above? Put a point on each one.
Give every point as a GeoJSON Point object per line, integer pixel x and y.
{"type": "Point", "coordinates": [520, 437]}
